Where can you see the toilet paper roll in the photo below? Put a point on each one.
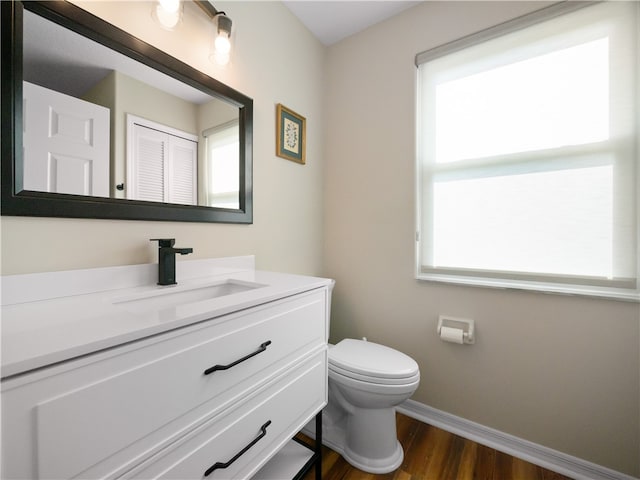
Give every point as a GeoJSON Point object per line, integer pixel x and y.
{"type": "Point", "coordinates": [453, 335]}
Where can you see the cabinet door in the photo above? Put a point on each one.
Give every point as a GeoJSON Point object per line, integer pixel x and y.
{"type": "Point", "coordinates": [66, 143]}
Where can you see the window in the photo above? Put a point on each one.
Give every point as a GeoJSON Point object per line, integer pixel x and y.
{"type": "Point", "coordinates": [527, 154]}
{"type": "Point", "coordinates": [223, 165]}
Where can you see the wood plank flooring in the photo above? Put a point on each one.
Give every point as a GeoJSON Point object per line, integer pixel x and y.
{"type": "Point", "coordinates": [434, 454]}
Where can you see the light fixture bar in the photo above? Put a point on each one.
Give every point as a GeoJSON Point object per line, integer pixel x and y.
{"type": "Point", "coordinates": [208, 7]}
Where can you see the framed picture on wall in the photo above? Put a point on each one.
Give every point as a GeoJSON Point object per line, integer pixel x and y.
{"type": "Point", "coordinates": [291, 135]}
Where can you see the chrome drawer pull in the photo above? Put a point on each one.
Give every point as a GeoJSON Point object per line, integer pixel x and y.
{"type": "Point", "coordinates": [262, 348]}
{"type": "Point", "coordinates": [217, 465]}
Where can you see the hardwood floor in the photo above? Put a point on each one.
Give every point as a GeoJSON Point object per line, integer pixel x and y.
{"type": "Point", "coordinates": [434, 454]}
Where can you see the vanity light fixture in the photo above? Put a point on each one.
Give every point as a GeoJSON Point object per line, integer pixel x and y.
{"type": "Point", "coordinates": [168, 13]}
{"type": "Point", "coordinates": [221, 51]}
{"type": "Point", "coordinates": [221, 45]}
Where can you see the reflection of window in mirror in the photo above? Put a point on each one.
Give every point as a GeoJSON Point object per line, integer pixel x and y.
{"type": "Point", "coordinates": [223, 165]}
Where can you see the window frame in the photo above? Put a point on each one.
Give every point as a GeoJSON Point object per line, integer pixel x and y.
{"type": "Point", "coordinates": [562, 284]}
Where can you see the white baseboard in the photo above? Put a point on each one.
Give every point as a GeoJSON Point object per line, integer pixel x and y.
{"type": "Point", "coordinates": [531, 452]}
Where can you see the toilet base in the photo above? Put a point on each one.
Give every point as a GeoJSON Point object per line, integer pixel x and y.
{"type": "Point", "coordinates": [376, 439]}
{"type": "Point", "coordinates": [378, 465]}
{"type": "Point", "coordinates": [371, 442]}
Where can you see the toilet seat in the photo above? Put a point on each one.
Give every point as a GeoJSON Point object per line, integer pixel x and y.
{"type": "Point", "coordinates": [372, 363]}
{"type": "Point", "coordinates": [334, 370]}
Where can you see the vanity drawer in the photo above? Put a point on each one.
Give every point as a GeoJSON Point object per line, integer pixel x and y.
{"type": "Point", "coordinates": [247, 436]}
{"type": "Point", "coordinates": [101, 418]}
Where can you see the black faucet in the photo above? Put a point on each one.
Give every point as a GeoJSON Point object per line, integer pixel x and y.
{"type": "Point", "coordinates": [167, 260]}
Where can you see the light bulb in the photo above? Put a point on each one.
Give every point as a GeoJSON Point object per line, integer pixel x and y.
{"type": "Point", "coordinates": [170, 6]}
{"type": "Point", "coordinates": [168, 13]}
{"type": "Point", "coordinates": [222, 44]}
{"type": "Point", "coordinates": [220, 58]}
{"type": "Point", "coordinates": [221, 48]}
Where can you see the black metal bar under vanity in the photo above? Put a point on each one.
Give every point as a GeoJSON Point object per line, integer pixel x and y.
{"type": "Point", "coordinates": [316, 459]}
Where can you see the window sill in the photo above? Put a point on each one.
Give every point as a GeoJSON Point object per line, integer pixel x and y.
{"type": "Point", "coordinates": [542, 287]}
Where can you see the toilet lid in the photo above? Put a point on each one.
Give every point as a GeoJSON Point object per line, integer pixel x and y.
{"type": "Point", "coordinates": [371, 360]}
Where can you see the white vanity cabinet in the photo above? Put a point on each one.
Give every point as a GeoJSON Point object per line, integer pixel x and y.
{"type": "Point", "coordinates": [216, 398]}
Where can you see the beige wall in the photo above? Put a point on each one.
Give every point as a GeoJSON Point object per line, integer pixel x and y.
{"type": "Point", "coordinates": [556, 370]}
{"type": "Point", "coordinates": [276, 60]}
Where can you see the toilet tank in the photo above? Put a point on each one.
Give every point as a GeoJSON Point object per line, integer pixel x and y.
{"type": "Point", "coordinates": [331, 285]}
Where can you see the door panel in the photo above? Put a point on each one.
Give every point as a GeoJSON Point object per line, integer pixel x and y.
{"type": "Point", "coordinates": [66, 143]}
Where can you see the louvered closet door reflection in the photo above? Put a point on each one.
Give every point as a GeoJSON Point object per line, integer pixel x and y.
{"type": "Point", "coordinates": [150, 175]}
{"type": "Point", "coordinates": [182, 171]}
{"type": "Point", "coordinates": [164, 167]}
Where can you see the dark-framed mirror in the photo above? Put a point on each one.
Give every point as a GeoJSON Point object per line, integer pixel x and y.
{"type": "Point", "coordinates": [191, 161]}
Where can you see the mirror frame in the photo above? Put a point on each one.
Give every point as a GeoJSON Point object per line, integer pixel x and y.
{"type": "Point", "coordinates": [18, 202]}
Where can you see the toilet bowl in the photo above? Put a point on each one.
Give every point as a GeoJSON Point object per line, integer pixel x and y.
{"type": "Point", "coordinates": [366, 382]}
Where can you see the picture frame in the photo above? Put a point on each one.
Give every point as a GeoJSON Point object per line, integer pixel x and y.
{"type": "Point", "coordinates": [291, 135]}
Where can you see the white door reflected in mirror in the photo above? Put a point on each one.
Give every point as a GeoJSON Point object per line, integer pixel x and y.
{"type": "Point", "coordinates": [66, 143]}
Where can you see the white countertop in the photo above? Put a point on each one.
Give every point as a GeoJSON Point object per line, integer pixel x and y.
{"type": "Point", "coordinates": [41, 331]}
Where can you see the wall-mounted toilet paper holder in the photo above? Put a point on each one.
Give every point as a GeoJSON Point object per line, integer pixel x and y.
{"type": "Point", "coordinates": [466, 325]}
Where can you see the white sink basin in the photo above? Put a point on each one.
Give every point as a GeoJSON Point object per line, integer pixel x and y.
{"type": "Point", "coordinates": [166, 297]}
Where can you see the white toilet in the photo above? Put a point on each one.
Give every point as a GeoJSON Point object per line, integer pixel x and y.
{"type": "Point", "coordinates": [366, 382]}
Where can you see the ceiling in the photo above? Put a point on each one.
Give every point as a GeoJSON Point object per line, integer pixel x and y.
{"type": "Point", "coordinates": [60, 59]}
{"type": "Point", "coordinates": [333, 20]}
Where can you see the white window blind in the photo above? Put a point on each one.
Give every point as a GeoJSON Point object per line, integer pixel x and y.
{"type": "Point", "coordinates": [527, 154]}
{"type": "Point", "coordinates": [223, 165]}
